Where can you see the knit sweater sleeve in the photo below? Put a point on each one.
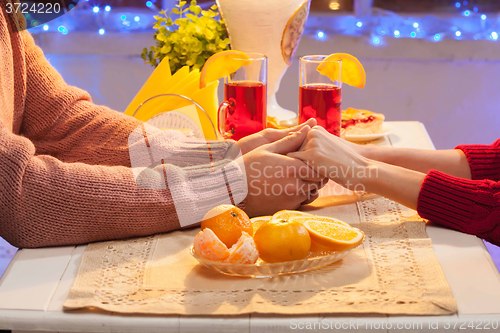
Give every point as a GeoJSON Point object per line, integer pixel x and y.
{"type": "Point", "coordinates": [470, 206]}
{"type": "Point", "coordinates": [62, 121]}
{"type": "Point", "coordinates": [484, 160]}
{"type": "Point", "coordinates": [47, 202]}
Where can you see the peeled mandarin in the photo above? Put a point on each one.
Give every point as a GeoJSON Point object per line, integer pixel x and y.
{"type": "Point", "coordinates": [207, 245]}
{"type": "Point", "coordinates": [244, 251]}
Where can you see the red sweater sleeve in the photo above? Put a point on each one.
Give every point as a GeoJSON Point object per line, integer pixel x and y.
{"type": "Point", "coordinates": [484, 160]}
{"type": "Point", "coordinates": [470, 206]}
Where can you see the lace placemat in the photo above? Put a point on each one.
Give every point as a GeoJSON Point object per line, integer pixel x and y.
{"type": "Point", "coordinates": [394, 272]}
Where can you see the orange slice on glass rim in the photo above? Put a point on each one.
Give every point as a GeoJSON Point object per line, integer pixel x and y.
{"type": "Point", "coordinates": [222, 64]}
{"type": "Point", "coordinates": [352, 71]}
{"type": "Point", "coordinates": [328, 234]}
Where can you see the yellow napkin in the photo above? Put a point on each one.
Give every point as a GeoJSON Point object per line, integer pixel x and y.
{"type": "Point", "coordinates": [184, 82]}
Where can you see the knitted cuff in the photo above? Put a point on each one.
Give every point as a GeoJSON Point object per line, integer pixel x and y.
{"type": "Point", "coordinates": [195, 190]}
{"type": "Point", "coordinates": [484, 160]}
{"type": "Point", "coordinates": [457, 203]}
{"type": "Point", "coordinates": [149, 146]}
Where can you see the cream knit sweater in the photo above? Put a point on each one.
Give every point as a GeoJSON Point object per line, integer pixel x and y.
{"type": "Point", "coordinates": [65, 175]}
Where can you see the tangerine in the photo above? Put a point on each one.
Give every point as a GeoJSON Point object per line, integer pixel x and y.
{"type": "Point", "coordinates": [227, 222]}
{"type": "Point", "coordinates": [282, 240]}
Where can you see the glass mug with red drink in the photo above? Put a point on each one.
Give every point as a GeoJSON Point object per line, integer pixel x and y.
{"type": "Point", "coordinates": [320, 96]}
{"type": "Point", "coordinates": [244, 110]}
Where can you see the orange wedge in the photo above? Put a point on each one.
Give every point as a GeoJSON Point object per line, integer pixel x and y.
{"type": "Point", "coordinates": [328, 234]}
{"type": "Point", "coordinates": [258, 221]}
{"type": "Point", "coordinates": [352, 71]}
{"type": "Point", "coordinates": [207, 245]}
{"type": "Point", "coordinates": [244, 251]}
{"type": "Point", "coordinates": [222, 64]}
{"type": "Point", "coordinates": [289, 214]}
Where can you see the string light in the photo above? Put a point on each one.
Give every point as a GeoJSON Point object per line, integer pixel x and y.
{"type": "Point", "coordinates": [320, 35]}
{"type": "Point", "coordinates": [468, 24]}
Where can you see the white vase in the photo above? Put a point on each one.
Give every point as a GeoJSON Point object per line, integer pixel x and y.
{"type": "Point", "coordinates": [271, 27]}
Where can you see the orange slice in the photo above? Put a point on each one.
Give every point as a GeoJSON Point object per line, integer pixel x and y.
{"type": "Point", "coordinates": [222, 64]}
{"type": "Point", "coordinates": [328, 234]}
{"type": "Point", "coordinates": [289, 214]}
{"type": "Point", "coordinates": [258, 221]}
{"type": "Point", "coordinates": [352, 71]}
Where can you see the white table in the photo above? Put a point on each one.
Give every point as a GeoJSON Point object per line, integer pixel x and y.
{"type": "Point", "coordinates": [36, 283]}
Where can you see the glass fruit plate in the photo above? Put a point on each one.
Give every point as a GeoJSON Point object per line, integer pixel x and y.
{"type": "Point", "coordinates": [262, 269]}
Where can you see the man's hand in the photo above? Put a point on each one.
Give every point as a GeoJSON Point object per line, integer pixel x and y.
{"type": "Point", "coordinates": [277, 182]}
{"type": "Point", "coordinates": [269, 135]}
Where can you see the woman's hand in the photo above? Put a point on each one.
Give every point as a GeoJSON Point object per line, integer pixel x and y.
{"type": "Point", "coordinates": [333, 157]}
{"type": "Point", "coordinates": [269, 135]}
{"type": "Point", "coordinates": [340, 161]}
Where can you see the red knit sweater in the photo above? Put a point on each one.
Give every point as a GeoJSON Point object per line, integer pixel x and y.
{"type": "Point", "coordinates": [470, 206]}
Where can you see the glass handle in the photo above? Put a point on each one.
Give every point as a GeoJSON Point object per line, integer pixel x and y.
{"type": "Point", "coordinates": [226, 107]}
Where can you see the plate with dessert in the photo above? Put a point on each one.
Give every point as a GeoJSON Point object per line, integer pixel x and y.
{"type": "Point", "coordinates": [362, 125]}
{"type": "Point", "coordinates": [289, 242]}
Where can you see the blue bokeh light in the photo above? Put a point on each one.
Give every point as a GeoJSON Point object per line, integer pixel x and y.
{"type": "Point", "coordinates": [320, 35]}
{"type": "Point", "coordinates": [62, 29]}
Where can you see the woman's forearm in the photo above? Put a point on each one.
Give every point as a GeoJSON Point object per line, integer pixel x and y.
{"type": "Point", "coordinates": [394, 182]}
{"type": "Point", "coordinates": [451, 161]}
